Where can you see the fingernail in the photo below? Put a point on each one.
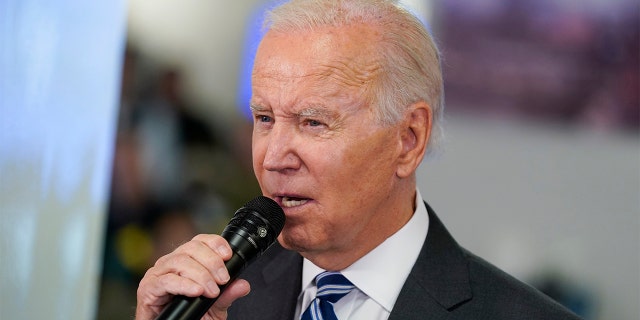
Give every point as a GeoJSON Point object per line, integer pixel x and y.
{"type": "Point", "coordinates": [213, 288]}
{"type": "Point", "coordinates": [224, 251]}
{"type": "Point", "coordinates": [223, 275]}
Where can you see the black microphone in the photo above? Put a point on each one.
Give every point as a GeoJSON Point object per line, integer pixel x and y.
{"type": "Point", "coordinates": [253, 229]}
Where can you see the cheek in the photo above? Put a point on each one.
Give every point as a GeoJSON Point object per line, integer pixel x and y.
{"type": "Point", "coordinates": [257, 157]}
{"type": "Point", "coordinates": [369, 170]}
{"type": "Point", "coordinates": [372, 158]}
{"type": "Point", "coordinates": [355, 174]}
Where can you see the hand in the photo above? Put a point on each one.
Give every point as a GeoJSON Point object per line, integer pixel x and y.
{"type": "Point", "coordinates": [194, 269]}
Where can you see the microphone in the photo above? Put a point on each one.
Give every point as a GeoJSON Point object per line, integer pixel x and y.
{"type": "Point", "coordinates": [253, 229]}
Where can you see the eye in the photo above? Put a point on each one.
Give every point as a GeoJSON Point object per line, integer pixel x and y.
{"type": "Point", "coordinates": [314, 123]}
{"type": "Point", "coordinates": [263, 118]}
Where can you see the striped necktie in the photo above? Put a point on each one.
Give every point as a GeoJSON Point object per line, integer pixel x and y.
{"type": "Point", "coordinates": [332, 286]}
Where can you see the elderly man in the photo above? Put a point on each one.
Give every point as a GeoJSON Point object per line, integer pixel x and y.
{"type": "Point", "coordinates": [346, 101]}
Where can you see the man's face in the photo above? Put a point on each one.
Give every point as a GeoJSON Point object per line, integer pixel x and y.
{"type": "Point", "coordinates": [317, 149]}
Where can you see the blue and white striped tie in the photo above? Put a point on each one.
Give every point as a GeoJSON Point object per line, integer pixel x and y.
{"type": "Point", "coordinates": [332, 286]}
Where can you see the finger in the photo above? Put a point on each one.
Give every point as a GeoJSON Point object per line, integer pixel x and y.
{"type": "Point", "coordinates": [211, 251]}
{"type": "Point", "coordinates": [234, 291]}
{"type": "Point", "coordinates": [185, 266]}
{"type": "Point", "coordinates": [195, 260]}
{"type": "Point", "coordinates": [154, 293]}
{"type": "Point", "coordinates": [216, 243]}
{"type": "Point", "coordinates": [157, 290]}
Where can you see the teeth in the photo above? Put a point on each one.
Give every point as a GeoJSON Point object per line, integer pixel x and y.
{"type": "Point", "coordinates": [291, 202]}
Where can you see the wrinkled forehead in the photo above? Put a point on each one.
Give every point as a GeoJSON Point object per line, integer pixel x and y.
{"type": "Point", "coordinates": [343, 56]}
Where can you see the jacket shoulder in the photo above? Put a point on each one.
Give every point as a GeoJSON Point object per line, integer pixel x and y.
{"type": "Point", "coordinates": [449, 282]}
{"type": "Point", "coordinates": [501, 296]}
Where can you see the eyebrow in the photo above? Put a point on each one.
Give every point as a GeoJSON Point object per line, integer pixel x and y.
{"type": "Point", "coordinates": [312, 112]}
{"type": "Point", "coordinates": [316, 112]}
{"type": "Point", "coordinates": [257, 108]}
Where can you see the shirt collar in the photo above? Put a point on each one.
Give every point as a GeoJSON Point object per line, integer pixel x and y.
{"type": "Point", "coordinates": [381, 273]}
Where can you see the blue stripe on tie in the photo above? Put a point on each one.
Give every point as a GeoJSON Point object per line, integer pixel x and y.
{"type": "Point", "coordinates": [332, 286]}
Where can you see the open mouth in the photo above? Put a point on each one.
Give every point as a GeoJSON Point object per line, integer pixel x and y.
{"type": "Point", "coordinates": [288, 202]}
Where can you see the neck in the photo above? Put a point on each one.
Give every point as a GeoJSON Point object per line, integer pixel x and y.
{"type": "Point", "coordinates": [381, 227]}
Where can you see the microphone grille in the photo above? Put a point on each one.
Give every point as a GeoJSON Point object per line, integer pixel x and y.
{"type": "Point", "coordinates": [269, 209]}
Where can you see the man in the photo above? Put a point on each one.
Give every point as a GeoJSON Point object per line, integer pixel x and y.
{"type": "Point", "coordinates": [346, 100]}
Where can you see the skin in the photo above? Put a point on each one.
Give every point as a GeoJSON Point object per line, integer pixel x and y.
{"type": "Point", "coordinates": [196, 268]}
{"type": "Point", "coordinates": [345, 182]}
{"type": "Point", "coordinates": [315, 138]}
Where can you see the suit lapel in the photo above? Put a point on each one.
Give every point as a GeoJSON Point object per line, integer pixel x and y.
{"type": "Point", "coordinates": [283, 278]}
{"type": "Point", "coordinates": [275, 284]}
{"type": "Point", "coordinates": [438, 281]}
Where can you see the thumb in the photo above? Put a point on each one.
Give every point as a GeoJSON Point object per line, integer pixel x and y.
{"type": "Point", "coordinates": [237, 289]}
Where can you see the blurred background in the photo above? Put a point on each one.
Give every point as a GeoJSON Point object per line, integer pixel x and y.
{"type": "Point", "coordinates": [539, 173]}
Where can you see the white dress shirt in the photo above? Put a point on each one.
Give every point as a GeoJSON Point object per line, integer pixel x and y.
{"type": "Point", "coordinates": [378, 276]}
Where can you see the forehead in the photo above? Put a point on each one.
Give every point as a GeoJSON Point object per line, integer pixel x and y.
{"type": "Point", "coordinates": [342, 58]}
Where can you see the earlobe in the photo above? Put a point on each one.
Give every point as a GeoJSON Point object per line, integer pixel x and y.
{"type": "Point", "coordinates": [415, 136]}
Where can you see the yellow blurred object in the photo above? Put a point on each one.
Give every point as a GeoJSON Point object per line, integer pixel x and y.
{"type": "Point", "coordinates": [134, 248]}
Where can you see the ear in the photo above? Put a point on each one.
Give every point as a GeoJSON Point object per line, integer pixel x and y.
{"type": "Point", "coordinates": [415, 132]}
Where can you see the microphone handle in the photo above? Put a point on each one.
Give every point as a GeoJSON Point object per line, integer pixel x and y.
{"type": "Point", "coordinates": [193, 308]}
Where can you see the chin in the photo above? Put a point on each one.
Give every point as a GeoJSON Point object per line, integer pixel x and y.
{"type": "Point", "coordinates": [295, 240]}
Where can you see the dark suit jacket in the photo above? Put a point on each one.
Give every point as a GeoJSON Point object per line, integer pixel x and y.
{"type": "Point", "coordinates": [446, 282]}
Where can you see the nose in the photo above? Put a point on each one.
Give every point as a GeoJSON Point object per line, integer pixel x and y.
{"type": "Point", "coordinates": [281, 152]}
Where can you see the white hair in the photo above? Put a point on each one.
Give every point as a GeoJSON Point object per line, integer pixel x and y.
{"type": "Point", "coordinates": [410, 59]}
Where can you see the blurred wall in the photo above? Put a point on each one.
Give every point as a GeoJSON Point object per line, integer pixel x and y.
{"type": "Point", "coordinates": [203, 39]}
{"type": "Point", "coordinates": [59, 73]}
